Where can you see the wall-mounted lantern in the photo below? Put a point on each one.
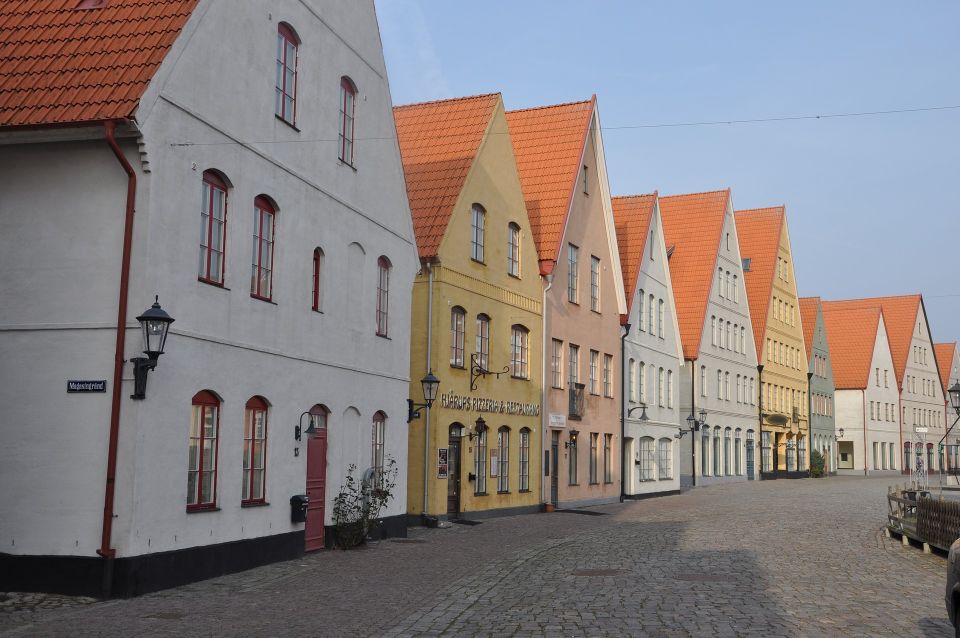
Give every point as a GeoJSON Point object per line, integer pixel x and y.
{"type": "Point", "coordinates": [155, 323]}
{"type": "Point", "coordinates": [430, 385]}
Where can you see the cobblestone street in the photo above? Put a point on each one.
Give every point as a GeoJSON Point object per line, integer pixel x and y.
{"type": "Point", "coordinates": [777, 558]}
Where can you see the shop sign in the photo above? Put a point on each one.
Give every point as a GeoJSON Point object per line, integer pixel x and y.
{"type": "Point", "coordinates": [443, 466]}
{"type": "Point", "coordinates": [483, 404]}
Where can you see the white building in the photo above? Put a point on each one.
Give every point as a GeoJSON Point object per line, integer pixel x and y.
{"type": "Point", "coordinates": [283, 249]}
{"type": "Point", "coordinates": [652, 352]}
{"type": "Point", "coordinates": [865, 400]}
{"type": "Point", "coordinates": [948, 362]}
{"type": "Point", "coordinates": [719, 375]}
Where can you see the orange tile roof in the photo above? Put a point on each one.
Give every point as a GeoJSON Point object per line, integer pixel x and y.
{"type": "Point", "coordinates": [632, 215]}
{"type": "Point", "coordinates": [809, 306]}
{"type": "Point", "coordinates": [758, 231]}
{"type": "Point", "coordinates": [548, 142]}
{"type": "Point", "coordinates": [851, 336]}
{"type": "Point", "coordinates": [900, 316]}
{"type": "Point", "coordinates": [944, 354]}
{"type": "Point", "coordinates": [438, 143]}
{"type": "Point", "coordinates": [63, 65]}
{"type": "Point", "coordinates": [692, 224]}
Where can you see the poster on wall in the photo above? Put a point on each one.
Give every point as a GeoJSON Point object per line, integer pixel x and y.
{"type": "Point", "coordinates": [442, 464]}
{"type": "Point", "coordinates": [494, 463]}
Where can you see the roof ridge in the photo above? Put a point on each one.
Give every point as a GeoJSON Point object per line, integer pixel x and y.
{"type": "Point", "coordinates": [915, 294]}
{"type": "Point", "coordinates": [446, 100]}
{"type": "Point", "coordinates": [713, 192]}
{"type": "Point", "coordinates": [761, 208]}
{"type": "Point", "coordinates": [654, 193]}
{"type": "Point", "coordinates": [551, 106]}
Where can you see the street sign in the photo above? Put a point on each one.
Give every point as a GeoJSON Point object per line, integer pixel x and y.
{"type": "Point", "coordinates": [80, 385]}
{"type": "Point", "coordinates": [920, 430]}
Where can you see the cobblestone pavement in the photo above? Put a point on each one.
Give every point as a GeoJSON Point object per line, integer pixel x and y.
{"type": "Point", "coordinates": [777, 558]}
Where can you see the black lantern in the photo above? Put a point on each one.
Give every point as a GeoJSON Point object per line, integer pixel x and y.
{"type": "Point", "coordinates": [693, 425]}
{"type": "Point", "coordinates": [430, 385]}
{"type": "Point", "coordinates": [478, 429]}
{"type": "Point", "coordinates": [954, 393]}
{"type": "Point", "coordinates": [840, 435]}
{"type": "Point", "coordinates": [572, 443]}
{"type": "Point", "coordinates": [155, 324]}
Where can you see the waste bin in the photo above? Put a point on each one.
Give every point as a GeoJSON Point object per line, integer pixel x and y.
{"type": "Point", "coordinates": [298, 508]}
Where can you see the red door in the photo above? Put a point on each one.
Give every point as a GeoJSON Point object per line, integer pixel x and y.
{"type": "Point", "coordinates": [316, 489]}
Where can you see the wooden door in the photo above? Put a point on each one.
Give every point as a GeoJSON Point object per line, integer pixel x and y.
{"type": "Point", "coordinates": [554, 468]}
{"type": "Point", "coordinates": [453, 475]}
{"type": "Point", "coordinates": [316, 490]}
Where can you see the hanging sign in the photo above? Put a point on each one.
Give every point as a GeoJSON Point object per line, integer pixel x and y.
{"type": "Point", "coordinates": [77, 385]}
{"type": "Point", "coordinates": [443, 466]}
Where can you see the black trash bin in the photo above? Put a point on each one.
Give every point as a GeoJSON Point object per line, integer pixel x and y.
{"type": "Point", "coordinates": [298, 508]}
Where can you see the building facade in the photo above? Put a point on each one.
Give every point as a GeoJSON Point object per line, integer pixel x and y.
{"type": "Point", "coordinates": [291, 295]}
{"type": "Point", "coordinates": [652, 355]}
{"type": "Point", "coordinates": [820, 397]}
{"type": "Point", "coordinates": [774, 308]}
{"type": "Point", "coordinates": [948, 361]}
{"type": "Point", "coordinates": [719, 379]}
{"type": "Point", "coordinates": [559, 153]}
{"type": "Point", "coordinates": [477, 314]}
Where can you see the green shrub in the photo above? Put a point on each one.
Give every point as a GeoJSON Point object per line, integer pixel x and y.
{"type": "Point", "coordinates": [816, 464]}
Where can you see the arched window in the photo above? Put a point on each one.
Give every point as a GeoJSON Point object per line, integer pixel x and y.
{"type": "Point", "coordinates": [204, 440]}
{"type": "Point", "coordinates": [669, 388]}
{"type": "Point", "coordinates": [650, 311]}
{"type": "Point", "coordinates": [254, 451]}
{"type": "Point", "coordinates": [642, 382]}
{"type": "Point", "coordinates": [631, 381]}
{"type": "Point", "coordinates": [713, 331]}
{"type": "Point", "coordinates": [503, 454]}
{"type": "Point", "coordinates": [213, 228]}
{"type": "Point", "coordinates": [519, 352]}
{"type": "Point", "coordinates": [317, 267]}
{"type": "Point", "coordinates": [319, 415]}
{"type": "Point", "coordinates": [458, 318]}
{"type": "Point", "coordinates": [640, 313]}
{"type": "Point", "coordinates": [660, 331]}
{"type": "Point", "coordinates": [705, 451]}
{"type": "Point", "coordinates": [285, 104]}
{"type": "Point", "coordinates": [664, 459]}
{"type": "Point", "coordinates": [738, 451]}
{"type": "Point", "coordinates": [727, 451]}
{"type": "Point", "coordinates": [261, 273]}
{"type": "Point", "coordinates": [376, 446]}
{"type": "Point", "coordinates": [478, 218]}
{"type": "Point", "coordinates": [483, 341]}
{"type": "Point", "coordinates": [383, 295]}
{"type": "Point", "coordinates": [660, 387]}
{"type": "Point", "coordinates": [480, 462]}
{"type": "Point", "coordinates": [735, 346]}
{"type": "Point", "coordinates": [348, 100]}
{"type": "Point", "coordinates": [525, 459]}
{"type": "Point", "coordinates": [513, 250]}
{"type": "Point", "coordinates": [717, 469]}
{"type": "Point", "coordinates": [647, 459]}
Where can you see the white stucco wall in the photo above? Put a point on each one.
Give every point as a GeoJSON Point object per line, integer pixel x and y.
{"type": "Point", "coordinates": [922, 394]}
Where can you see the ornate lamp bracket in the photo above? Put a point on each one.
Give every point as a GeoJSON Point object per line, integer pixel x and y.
{"type": "Point", "coordinates": [477, 371]}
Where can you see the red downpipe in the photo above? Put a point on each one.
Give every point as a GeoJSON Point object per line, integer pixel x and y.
{"type": "Point", "coordinates": [106, 541]}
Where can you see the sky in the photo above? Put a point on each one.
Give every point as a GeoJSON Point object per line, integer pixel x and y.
{"type": "Point", "coordinates": [873, 202]}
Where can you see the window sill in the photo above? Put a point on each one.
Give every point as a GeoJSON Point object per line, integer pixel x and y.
{"type": "Point", "coordinates": [264, 299]}
{"type": "Point", "coordinates": [513, 275]}
{"type": "Point", "coordinates": [557, 387]}
{"type": "Point", "coordinates": [575, 303]}
{"type": "Point", "coordinates": [594, 394]}
{"type": "Point", "coordinates": [478, 261]}
{"type": "Point", "coordinates": [287, 122]}
{"type": "Point", "coordinates": [212, 283]}
{"type": "Point", "coordinates": [575, 417]}
{"type": "Point", "coordinates": [347, 164]}
{"type": "Point", "coordinates": [246, 504]}
{"type": "Point", "coordinates": [608, 482]}
{"type": "Point", "coordinates": [519, 378]}
{"type": "Point", "coordinates": [318, 311]}
{"type": "Point", "coordinates": [594, 483]}
{"type": "Point", "coordinates": [382, 336]}
{"type": "Point", "coordinates": [524, 491]}
{"type": "Point", "coordinates": [573, 485]}
{"type": "Point", "coordinates": [596, 312]}
{"type": "Point", "coordinates": [503, 491]}
{"type": "Point", "coordinates": [201, 509]}
{"type": "Point", "coordinates": [457, 367]}
{"type": "Point", "coordinates": [480, 494]}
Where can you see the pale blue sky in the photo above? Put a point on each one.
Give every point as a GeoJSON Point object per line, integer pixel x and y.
{"type": "Point", "coordinates": [872, 202]}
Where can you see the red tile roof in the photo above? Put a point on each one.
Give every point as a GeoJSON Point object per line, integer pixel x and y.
{"type": "Point", "coordinates": [692, 224]}
{"type": "Point", "coordinates": [900, 316]}
{"type": "Point", "coordinates": [548, 143]}
{"type": "Point", "coordinates": [63, 65]}
{"type": "Point", "coordinates": [851, 336]}
{"type": "Point", "coordinates": [632, 215]}
{"type": "Point", "coordinates": [809, 306]}
{"type": "Point", "coordinates": [438, 143]}
{"type": "Point", "coordinates": [944, 353]}
{"type": "Point", "coordinates": [758, 231]}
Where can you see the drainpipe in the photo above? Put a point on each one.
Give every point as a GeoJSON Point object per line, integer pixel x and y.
{"type": "Point", "coordinates": [863, 394]}
{"type": "Point", "coordinates": [809, 419]}
{"type": "Point", "coordinates": [760, 418]}
{"type": "Point", "coordinates": [426, 417]}
{"type": "Point", "coordinates": [623, 416]}
{"type": "Point", "coordinates": [693, 411]}
{"type": "Point", "coordinates": [106, 541]}
{"type": "Point", "coordinates": [544, 411]}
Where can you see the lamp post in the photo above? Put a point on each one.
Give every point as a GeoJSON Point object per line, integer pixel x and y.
{"type": "Point", "coordinates": [430, 385]}
{"type": "Point", "coordinates": [155, 324]}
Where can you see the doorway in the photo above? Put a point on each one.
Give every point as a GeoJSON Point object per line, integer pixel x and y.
{"type": "Point", "coordinates": [845, 451]}
{"type": "Point", "coordinates": [554, 466]}
{"type": "Point", "coordinates": [316, 490]}
{"type": "Point", "coordinates": [751, 450]}
{"type": "Point", "coordinates": [453, 470]}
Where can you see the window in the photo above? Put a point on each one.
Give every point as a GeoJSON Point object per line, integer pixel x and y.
{"type": "Point", "coordinates": [457, 320]}
{"type": "Point", "coordinates": [594, 442]}
{"type": "Point", "coordinates": [650, 313]}
{"type": "Point", "coordinates": [607, 375]}
{"type": "Point", "coordinates": [876, 455]}
{"type": "Point", "coordinates": [642, 315]}
{"type": "Point", "coordinates": [376, 446]}
{"type": "Point", "coordinates": [285, 102]}
{"type": "Point", "coordinates": [660, 318]}
{"type": "Point", "coordinates": [317, 267]}
{"type": "Point", "coordinates": [556, 363]}
{"type": "Point", "coordinates": [261, 275]}
{"type": "Point", "coordinates": [727, 284]}
{"type": "Point", "coordinates": [737, 447]}
{"type": "Point", "coordinates": [519, 352]}
{"type": "Point", "coordinates": [736, 290]}
{"type": "Point", "coordinates": [254, 450]}
{"type": "Point", "coordinates": [383, 295]}
{"type": "Point", "coordinates": [717, 469]}
{"type": "Point", "coordinates": [594, 372]}
{"type": "Point", "coordinates": [478, 219]}
{"type": "Point", "coordinates": [669, 388]}
{"type": "Point", "coordinates": [705, 452]}
{"type": "Point", "coordinates": [646, 459]}
{"type": "Point", "coordinates": [204, 439]}
{"type": "Point", "coordinates": [572, 273]}
{"type": "Point", "coordinates": [660, 388]}
{"type": "Point", "coordinates": [503, 453]}
{"type": "Point", "coordinates": [607, 458]}
{"type": "Point", "coordinates": [642, 382]}
{"type": "Point", "coordinates": [739, 390]}
{"type": "Point", "coordinates": [525, 460]}
{"type": "Point", "coordinates": [318, 417]}
{"type": "Point", "coordinates": [703, 381]}
{"type": "Point", "coordinates": [631, 381]}
{"type": "Point", "coordinates": [720, 282]}
{"type": "Point", "coordinates": [572, 463]}
{"type": "Point", "coordinates": [767, 457]}
{"type": "Point", "coordinates": [664, 459]}
{"type": "Point", "coordinates": [594, 283]}
{"type": "Point", "coordinates": [480, 462]}
{"type": "Point", "coordinates": [727, 451]}
{"type": "Point", "coordinates": [483, 341]}
{"type": "Point", "coordinates": [513, 250]}
{"type": "Point", "coordinates": [719, 384]}
{"type": "Point", "coordinates": [213, 228]}
{"type": "Point", "coordinates": [348, 102]}
{"type": "Point", "coordinates": [573, 364]}
{"type": "Point", "coordinates": [713, 331]}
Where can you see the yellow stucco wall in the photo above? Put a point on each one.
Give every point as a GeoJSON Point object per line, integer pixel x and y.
{"type": "Point", "coordinates": [479, 288]}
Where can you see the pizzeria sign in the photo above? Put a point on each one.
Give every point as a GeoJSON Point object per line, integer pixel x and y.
{"type": "Point", "coordinates": [483, 404]}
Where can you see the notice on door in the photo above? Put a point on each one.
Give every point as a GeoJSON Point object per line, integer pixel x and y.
{"type": "Point", "coordinates": [443, 465]}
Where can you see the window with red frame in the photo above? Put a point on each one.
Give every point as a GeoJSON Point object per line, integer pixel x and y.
{"type": "Point", "coordinates": [348, 99]}
{"type": "Point", "coordinates": [254, 450]}
{"type": "Point", "coordinates": [383, 295]}
{"type": "Point", "coordinates": [202, 465]}
{"type": "Point", "coordinates": [261, 274]}
{"type": "Point", "coordinates": [213, 228]}
{"type": "Point", "coordinates": [286, 94]}
{"type": "Point", "coordinates": [377, 436]}
{"type": "Point", "coordinates": [317, 266]}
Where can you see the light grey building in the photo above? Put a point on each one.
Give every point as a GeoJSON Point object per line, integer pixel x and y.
{"type": "Point", "coordinates": [821, 391]}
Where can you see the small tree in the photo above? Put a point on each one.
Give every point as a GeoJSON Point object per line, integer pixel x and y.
{"type": "Point", "coordinates": [816, 464]}
{"type": "Point", "coordinates": [356, 509]}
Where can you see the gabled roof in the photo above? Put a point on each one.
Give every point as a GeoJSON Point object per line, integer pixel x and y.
{"type": "Point", "coordinates": [438, 143]}
{"type": "Point", "coordinates": [632, 214]}
{"type": "Point", "coordinates": [852, 336]}
{"type": "Point", "coordinates": [809, 307]}
{"type": "Point", "coordinates": [944, 353]}
{"type": "Point", "coordinates": [900, 316]}
{"type": "Point", "coordinates": [549, 143]}
{"type": "Point", "coordinates": [693, 224]}
{"type": "Point", "coordinates": [758, 231]}
{"type": "Point", "coordinates": [64, 65]}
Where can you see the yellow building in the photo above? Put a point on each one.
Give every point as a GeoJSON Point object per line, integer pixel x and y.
{"type": "Point", "coordinates": [781, 350]}
{"type": "Point", "coordinates": [477, 317]}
